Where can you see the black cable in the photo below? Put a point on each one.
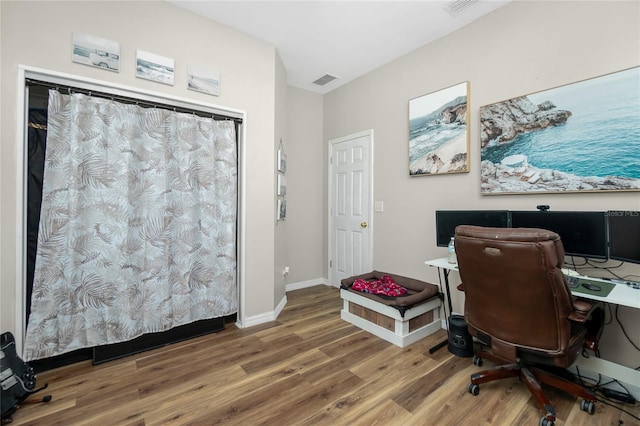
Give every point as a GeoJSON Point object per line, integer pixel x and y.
{"type": "Point", "coordinates": [591, 261]}
{"type": "Point", "coordinates": [597, 388]}
{"type": "Point", "coordinates": [619, 408]}
{"type": "Point", "coordinates": [592, 264]}
{"type": "Point", "coordinates": [625, 331]}
{"type": "Point", "coordinates": [581, 379]}
{"type": "Point", "coordinates": [608, 306]}
{"type": "Point", "coordinates": [573, 262]}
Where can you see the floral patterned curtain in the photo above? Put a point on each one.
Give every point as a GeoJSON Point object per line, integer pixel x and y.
{"type": "Point", "coordinates": [137, 227]}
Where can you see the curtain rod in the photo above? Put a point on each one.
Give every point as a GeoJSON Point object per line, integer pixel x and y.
{"type": "Point", "coordinates": [129, 100]}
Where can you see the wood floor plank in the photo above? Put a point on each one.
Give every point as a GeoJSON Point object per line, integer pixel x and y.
{"type": "Point", "coordinates": [359, 351]}
{"type": "Point", "coordinates": [251, 407]}
{"type": "Point", "coordinates": [307, 368]}
{"type": "Point", "coordinates": [415, 392]}
{"type": "Point", "coordinates": [385, 413]}
{"type": "Point", "coordinates": [276, 356]}
{"type": "Point", "coordinates": [350, 408]}
{"type": "Point", "coordinates": [299, 403]}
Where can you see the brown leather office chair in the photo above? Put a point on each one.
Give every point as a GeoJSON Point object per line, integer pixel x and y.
{"type": "Point", "coordinates": [518, 303]}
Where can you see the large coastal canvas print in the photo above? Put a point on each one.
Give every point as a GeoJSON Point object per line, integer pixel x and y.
{"type": "Point", "coordinates": [580, 137]}
{"type": "Point", "coordinates": [438, 132]}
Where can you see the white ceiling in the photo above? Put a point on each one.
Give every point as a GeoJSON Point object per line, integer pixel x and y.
{"type": "Point", "coordinates": [346, 39]}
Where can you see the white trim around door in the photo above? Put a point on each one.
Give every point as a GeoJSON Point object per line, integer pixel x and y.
{"type": "Point", "coordinates": [350, 205]}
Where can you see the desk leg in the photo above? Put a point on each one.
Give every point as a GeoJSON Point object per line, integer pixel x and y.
{"type": "Point", "coordinates": [445, 273]}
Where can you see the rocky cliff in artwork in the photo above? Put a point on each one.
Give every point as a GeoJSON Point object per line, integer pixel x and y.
{"type": "Point", "coordinates": [496, 178]}
{"type": "Point", "coordinates": [503, 121]}
{"type": "Point", "coordinates": [447, 158]}
{"type": "Point", "coordinates": [439, 141]}
{"type": "Point", "coordinates": [454, 112]}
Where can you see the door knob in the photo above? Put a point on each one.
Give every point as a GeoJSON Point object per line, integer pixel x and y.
{"type": "Point", "coordinates": [364, 224]}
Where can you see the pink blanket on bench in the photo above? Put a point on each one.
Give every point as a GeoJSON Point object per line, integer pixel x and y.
{"type": "Point", "coordinates": [385, 286]}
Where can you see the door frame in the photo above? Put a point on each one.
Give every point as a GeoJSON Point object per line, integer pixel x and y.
{"type": "Point", "coordinates": [370, 137]}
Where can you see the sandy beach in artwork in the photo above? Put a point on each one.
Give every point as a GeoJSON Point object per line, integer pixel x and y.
{"type": "Point", "coordinates": [450, 157]}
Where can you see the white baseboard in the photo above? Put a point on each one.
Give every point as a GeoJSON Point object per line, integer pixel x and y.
{"type": "Point", "coordinates": [305, 284]}
{"type": "Point", "coordinates": [280, 307]}
{"type": "Point", "coordinates": [273, 315]}
{"type": "Point", "coordinates": [264, 317]}
{"type": "Point", "coordinates": [256, 320]}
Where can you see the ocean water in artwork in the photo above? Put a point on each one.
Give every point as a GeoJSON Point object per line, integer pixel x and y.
{"type": "Point", "coordinates": [601, 138]}
{"type": "Point", "coordinates": [430, 134]}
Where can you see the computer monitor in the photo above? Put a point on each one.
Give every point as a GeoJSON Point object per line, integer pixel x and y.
{"type": "Point", "coordinates": [624, 231]}
{"type": "Point", "coordinates": [447, 220]}
{"type": "Point", "coordinates": [583, 233]}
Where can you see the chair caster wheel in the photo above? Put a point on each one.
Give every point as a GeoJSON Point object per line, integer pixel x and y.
{"type": "Point", "coordinates": [546, 422]}
{"type": "Point", "coordinates": [473, 389]}
{"type": "Point", "coordinates": [588, 406]}
{"type": "Point", "coordinates": [477, 361]}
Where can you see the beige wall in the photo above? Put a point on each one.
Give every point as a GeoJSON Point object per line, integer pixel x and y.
{"type": "Point", "coordinates": [39, 34]}
{"type": "Point", "coordinates": [305, 180]}
{"type": "Point", "coordinates": [281, 228]}
{"type": "Point", "coordinates": [521, 48]}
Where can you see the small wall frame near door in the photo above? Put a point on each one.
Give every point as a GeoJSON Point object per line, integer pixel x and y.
{"type": "Point", "coordinates": [350, 213]}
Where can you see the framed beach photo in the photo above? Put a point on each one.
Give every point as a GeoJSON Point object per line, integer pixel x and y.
{"type": "Point", "coordinates": [282, 161]}
{"type": "Point", "coordinates": [581, 137]}
{"type": "Point", "coordinates": [96, 52]}
{"type": "Point", "coordinates": [282, 185]}
{"type": "Point", "coordinates": [154, 67]}
{"type": "Point", "coordinates": [282, 209]}
{"type": "Point", "coordinates": [438, 132]}
{"type": "Point", "coordinates": [203, 80]}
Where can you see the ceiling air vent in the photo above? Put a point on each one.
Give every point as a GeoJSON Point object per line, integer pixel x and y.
{"type": "Point", "coordinates": [327, 78]}
{"type": "Point", "coordinates": [457, 7]}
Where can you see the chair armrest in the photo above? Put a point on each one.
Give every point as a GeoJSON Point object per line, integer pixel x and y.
{"type": "Point", "coordinates": [582, 310]}
{"type": "Point", "coordinates": [590, 313]}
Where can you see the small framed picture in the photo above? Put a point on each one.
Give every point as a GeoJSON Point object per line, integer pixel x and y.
{"type": "Point", "coordinates": [203, 80]}
{"type": "Point", "coordinates": [282, 161]}
{"type": "Point", "coordinates": [282, 185]}
{"type": "Point", "coordinates": [438, 132]}
{"type": "Point", "coordinates": [96, 52]}
{"type": "Point", "coordinates": [154, 67]}
{"type": "Point", "coordinates": [282, 209]}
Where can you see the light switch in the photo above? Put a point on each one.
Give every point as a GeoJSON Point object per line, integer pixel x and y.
{"type": "Point", "coordinates": [378, 206]}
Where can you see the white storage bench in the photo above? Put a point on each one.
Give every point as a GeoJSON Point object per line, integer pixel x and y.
{"type": "Point", "coordinates": [399, 320]}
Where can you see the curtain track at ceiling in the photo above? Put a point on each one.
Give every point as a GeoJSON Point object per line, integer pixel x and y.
{"type": "Point", "coordinates": [62, 88]}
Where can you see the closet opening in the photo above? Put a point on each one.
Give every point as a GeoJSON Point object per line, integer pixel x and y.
{"type": "Point", "coordinates": [36, 99]}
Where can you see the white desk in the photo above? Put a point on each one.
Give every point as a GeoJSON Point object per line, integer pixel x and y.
{"type": "Point", "coordinates": [621, 294]}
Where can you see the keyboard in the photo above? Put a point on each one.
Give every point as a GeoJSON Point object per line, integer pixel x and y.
{"type": "Point", "coordinates": [573, 281]}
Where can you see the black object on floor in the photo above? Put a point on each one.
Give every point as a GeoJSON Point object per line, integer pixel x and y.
{"type": "Point", "coordinates": [460, 341]}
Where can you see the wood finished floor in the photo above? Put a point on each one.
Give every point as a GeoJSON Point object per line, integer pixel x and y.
{"type": "Point", "coordinates": [307, 368]}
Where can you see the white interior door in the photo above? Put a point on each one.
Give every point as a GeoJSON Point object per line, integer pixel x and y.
{"type": "Point", "coordinates": [350, 194]}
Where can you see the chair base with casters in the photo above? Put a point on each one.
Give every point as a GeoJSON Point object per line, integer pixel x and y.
{"type": "Point", "coordinates": [532, 377]}
{"type": "Point", "coordinates": [519, 304]}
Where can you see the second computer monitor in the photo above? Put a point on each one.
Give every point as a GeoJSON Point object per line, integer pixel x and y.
{"type": "Point", "coordinates": [624, 235]}
{"type": "Point", "coordinates": [583, 233]}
